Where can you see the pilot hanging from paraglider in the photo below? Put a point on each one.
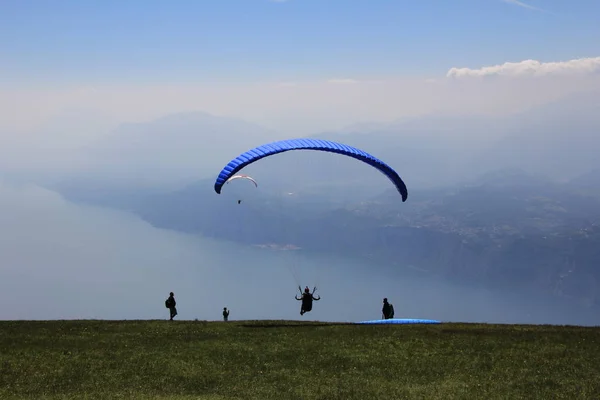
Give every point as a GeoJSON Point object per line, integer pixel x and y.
{"type": "Point", "coordinates": [228, 173]}
{"type": "Point", "coordinates": [307, 299]}
{"type": "Point", "coordinates": [246, 177]}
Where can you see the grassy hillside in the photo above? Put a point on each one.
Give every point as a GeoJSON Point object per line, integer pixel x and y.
{"type": "Point", "coordinates": [293, 360]}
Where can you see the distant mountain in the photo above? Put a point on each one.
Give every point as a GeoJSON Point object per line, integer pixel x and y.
{"type": "Point", "coordinates": [506, 229]}
{"type": "Point", "coordinates": [527, 216]}
{"type": "Point", "coordinates": [587, 183]}
{"type": "Point", "coordinates": [558, 140]}
{"type": "Point", "coordinates": [176, 148]}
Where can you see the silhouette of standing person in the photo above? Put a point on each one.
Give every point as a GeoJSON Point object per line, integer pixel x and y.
{"type": "Point", "coordinates": [225, 314]}
{"type": "Point", "coordinates": [170, 303]}
{"type": "Point", "coordinates": [387, 310]}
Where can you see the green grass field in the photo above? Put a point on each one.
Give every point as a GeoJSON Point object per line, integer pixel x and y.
{"type": "Point", "coordinates": [294, 360]}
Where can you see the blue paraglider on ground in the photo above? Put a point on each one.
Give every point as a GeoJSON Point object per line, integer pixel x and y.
{"type": "Point", "coordinates": [399, 321]}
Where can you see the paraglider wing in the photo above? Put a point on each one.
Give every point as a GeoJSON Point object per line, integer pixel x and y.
{"type": "Point", "coordinates": [400, 321]}
{"type": "Point", "coordinates": [242, 177]}
{"type": "Point", "coordinates": [269, 149]}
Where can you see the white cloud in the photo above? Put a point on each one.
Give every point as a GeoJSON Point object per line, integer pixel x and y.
{"type": "Point", "coordinates": [521, 4]}
{"type": "Point", "coordinates": [342, 81]}
{"type": "Point", "coordinates": [577, 66]}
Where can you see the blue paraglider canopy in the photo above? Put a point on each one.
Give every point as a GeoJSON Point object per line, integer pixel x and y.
{"type": "Point", "coordinates": [399, 321]}
{"type": "Point", "coordinates": [269, 149]}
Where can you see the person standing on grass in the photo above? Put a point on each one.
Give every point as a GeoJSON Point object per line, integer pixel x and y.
{"type": "Point", "coordinates": [225, 314]}
{"type": "Point", "coordinates": [387, 310]}
{"type": "Point", "coordinates": [170, 303]}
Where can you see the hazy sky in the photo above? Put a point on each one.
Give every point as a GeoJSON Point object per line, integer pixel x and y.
{"type": "Point", "coordinates": [297, 66]}
{"type": "Point", "coordinates": [73, 70]}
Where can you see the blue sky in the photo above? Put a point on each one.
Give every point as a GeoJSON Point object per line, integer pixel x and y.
{"type": "Point", "coordinates": [257, 40]}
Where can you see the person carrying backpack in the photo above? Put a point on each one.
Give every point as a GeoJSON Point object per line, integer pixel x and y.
{"type": "Point", "coordinates": [170, 303]}
{"type": "Point", "coordinates": [387, 310]}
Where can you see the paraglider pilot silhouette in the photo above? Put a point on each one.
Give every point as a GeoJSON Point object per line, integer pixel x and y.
{"type": "Point", "coordinates": [307, 300]}
{"type": "Point", "coordinates": [387, 310]}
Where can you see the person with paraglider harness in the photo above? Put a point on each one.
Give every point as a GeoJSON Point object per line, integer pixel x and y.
{"type": "Point", "coordinates": [387, 310]}
{"type": "Point", "coordinates": [307, 299]}
{"type": "Point", "coordinates": [170, 303]}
